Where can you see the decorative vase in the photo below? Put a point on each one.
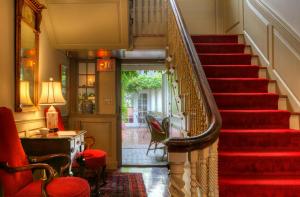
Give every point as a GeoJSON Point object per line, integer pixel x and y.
{"type": "Point", "coordinates": [87, 106]}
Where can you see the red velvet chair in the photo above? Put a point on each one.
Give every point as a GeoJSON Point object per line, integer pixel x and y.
{"type": "Point", "coordinates": [90, 161]}
{"type": "Point", "coordinates": [15, 171]}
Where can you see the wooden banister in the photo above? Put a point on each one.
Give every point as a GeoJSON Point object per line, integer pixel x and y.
{"type": "Point", "coordinates": [210, 134]}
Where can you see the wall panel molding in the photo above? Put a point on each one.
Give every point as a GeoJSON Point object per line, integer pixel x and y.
{"type": "Point", "coordinates": [30, 124]}
{"type": "Point", "coordinates": [256, 30]}
{"type": "Point", "coordinates": [278, 24]}
{"type": "Point", "coordinates": [278, 47]}
{"type": "Point", "coordinates": [104, 130]}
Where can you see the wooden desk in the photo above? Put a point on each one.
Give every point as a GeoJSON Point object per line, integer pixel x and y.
{"type": "Point", "coordinates": [38, 145]}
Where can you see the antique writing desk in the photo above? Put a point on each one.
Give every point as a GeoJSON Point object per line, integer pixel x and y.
{"type": "Point", "coordinates": [69, 142]}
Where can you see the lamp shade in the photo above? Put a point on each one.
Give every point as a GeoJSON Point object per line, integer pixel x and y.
{"type": "Point", "coordinates": [25, 93]}
{"type": "Point", "coordinates": [51, 94]}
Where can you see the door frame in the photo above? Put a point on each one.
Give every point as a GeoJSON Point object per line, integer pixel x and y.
{"type": "Point", "coordinates": [132, 64]}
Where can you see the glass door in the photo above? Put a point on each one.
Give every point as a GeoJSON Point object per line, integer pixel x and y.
{"type": "Point", "coordinates": [142, 107]}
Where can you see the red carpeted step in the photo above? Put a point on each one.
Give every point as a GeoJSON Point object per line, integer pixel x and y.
{"type": "Point", "coordinates": [215, 38]}
{"type": "Point", "coordinates": [246, 100]}
{"type": "Point", "coordinates": [262, 163]}
{"type": "Point", "coordinates": [231, 71]}
{"type": "Point", "coordinates": [258, 154]}
{"type": "Point", "coordinates": [225, 58]}
{"type": "Point", "coordinates": [231, 187]}
{"type": "Point", "coordinates": [238, 85]}
{"type": "Point", "coordinates": [259, 140]}
{"type": "Point", "coordinates": [219, 48]}
{"type": "Point", "coordinates": [255, 119]}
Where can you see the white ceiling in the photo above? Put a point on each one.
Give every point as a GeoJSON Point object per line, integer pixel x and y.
{"type": "Point", "coordinates": [87, 24]}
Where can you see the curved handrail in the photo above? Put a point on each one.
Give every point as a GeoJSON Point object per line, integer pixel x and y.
{"type": "Point", "coordinates": [211, 134]}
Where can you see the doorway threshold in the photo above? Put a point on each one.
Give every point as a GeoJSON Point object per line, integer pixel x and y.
{"type": "Point", "coordinates": [138, 157]}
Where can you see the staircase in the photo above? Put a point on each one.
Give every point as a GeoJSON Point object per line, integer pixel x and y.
{"type": "Point", "coordinates": [259, 153]}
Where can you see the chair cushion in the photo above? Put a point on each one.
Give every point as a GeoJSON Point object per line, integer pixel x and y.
{"type": "Point", "coordinates": [94, 158]}
{"type": "Point", "coordinates": [58, 187]}
{"type": "Point", "coordinates": [155, 124]}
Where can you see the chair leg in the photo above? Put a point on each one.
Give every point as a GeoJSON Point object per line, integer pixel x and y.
{"type": "Point", "coordinates": [155, 147]}
{"type": "Point", "coordinates": [165, 151]}
{"type": "Point", "coordinates": [97, 184]}
{"type": "Point", "coordinates": [149, 147]}
{"type": "Point", "coordinates": [103, 175]}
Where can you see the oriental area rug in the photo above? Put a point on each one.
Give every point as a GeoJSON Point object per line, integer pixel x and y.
{"type": "Point", "coordinates": [124, 185]}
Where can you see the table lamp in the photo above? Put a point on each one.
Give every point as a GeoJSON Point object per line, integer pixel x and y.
{"type": "Point", "coordinates": [51, 95]}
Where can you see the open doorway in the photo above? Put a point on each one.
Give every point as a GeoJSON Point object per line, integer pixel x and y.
{"type": "Point", "coordinates": [144, 93]}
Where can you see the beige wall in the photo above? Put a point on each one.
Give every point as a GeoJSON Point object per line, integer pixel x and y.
{"type": "Point", "coordinates": [212, 17]}
{"type": "Point", "coordinates": [49, 61]}
{"type": "Point", "coordinates": [270, 29]}
{"type": "Point", "coordinates": [199, 15]}
{"type": "Point", "coordinates": [288, 11]}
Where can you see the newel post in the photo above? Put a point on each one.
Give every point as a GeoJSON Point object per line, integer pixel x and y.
{"type": "Point", "coordinates": [176, 183]}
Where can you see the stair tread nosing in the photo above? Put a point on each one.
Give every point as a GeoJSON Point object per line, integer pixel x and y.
{"type": "Point", "coordinates": [219, 47]}
{"type": "Point", "coordinates": [278, 162]}
{"type": "Point", "coordinates": [260, 154]}
{"type": "Point", "coordinates": [235, 85]}
{"type": "Point", "coordinates": [225, 58]}
{"type": "Point", "coordinates": [215, 38]}
{"type": "Point", "coordinates": [231, 71]}
{"type": "Point", "coordinates": [271, 182]}
{"type": "Point", "coordinates": [259, 140]}
{"type": "Point", "coordinates": [246, 100]}
{"type": "Point", "coordinates": [255, 119]}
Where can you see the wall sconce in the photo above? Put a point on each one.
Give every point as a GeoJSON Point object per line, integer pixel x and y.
{"type": "Point", "coordinates": [103, 53]}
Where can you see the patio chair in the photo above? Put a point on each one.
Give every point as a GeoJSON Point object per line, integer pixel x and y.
{"type": "Point", "coordinates": [159, 132]}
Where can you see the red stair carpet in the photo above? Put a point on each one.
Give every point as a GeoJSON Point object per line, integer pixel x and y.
{"type": "Point", "coordinates": [259, 155]}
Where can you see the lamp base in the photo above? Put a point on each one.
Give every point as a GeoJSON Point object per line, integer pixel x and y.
{"type": "Point", "coordinates": [53, 130]}
{"type": "Point", "coordinates": [52, 118]}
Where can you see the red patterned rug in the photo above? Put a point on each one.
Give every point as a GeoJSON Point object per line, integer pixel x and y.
{"type": "Point", "coordinates": [124, 185]}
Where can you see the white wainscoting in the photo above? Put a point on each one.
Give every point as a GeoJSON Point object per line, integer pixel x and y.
{"type": "Point", "coordinates": [104, 130]}
{"type": "Point", "coordinates": [277, 46]}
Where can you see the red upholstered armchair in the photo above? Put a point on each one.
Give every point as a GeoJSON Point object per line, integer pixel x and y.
{"type": "Point", "coordinates": [15, 170]}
